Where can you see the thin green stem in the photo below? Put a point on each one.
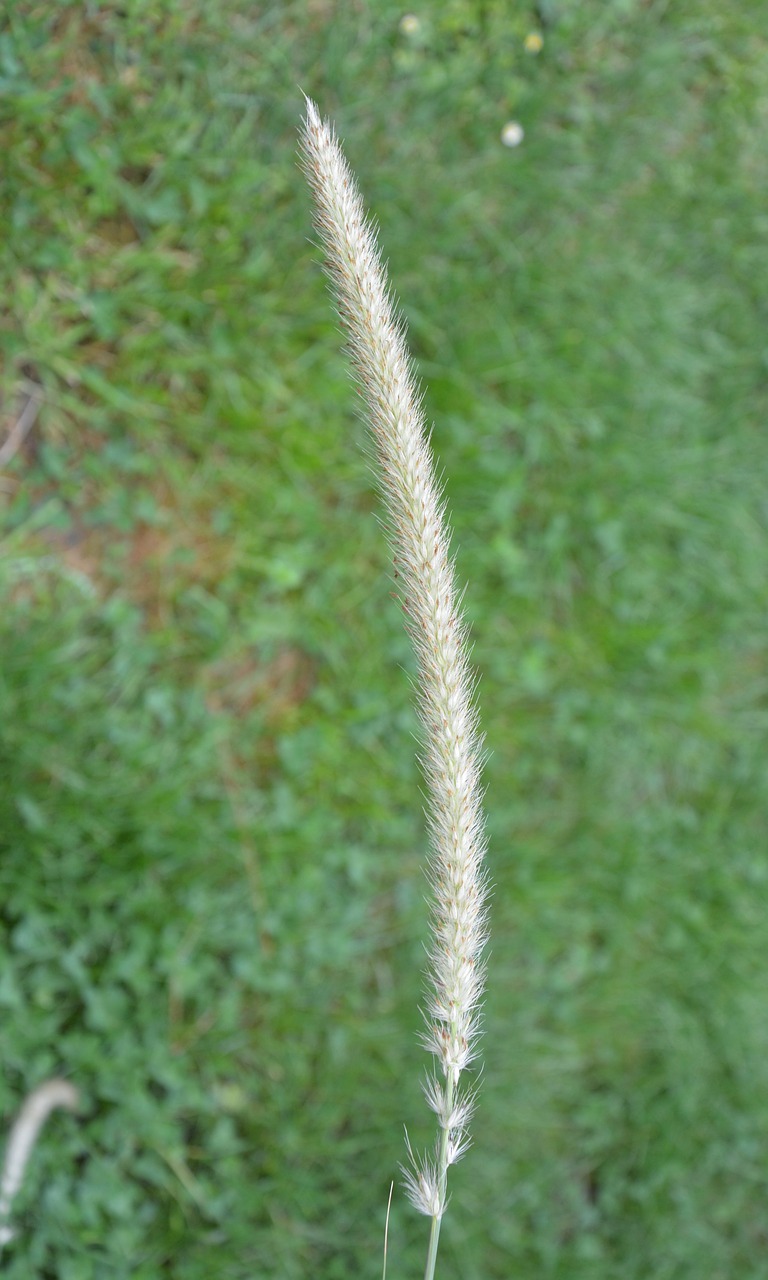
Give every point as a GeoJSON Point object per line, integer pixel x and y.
{"type": "Point", "coordinates": [442, 1176]}
{"type": "Point", "coordinates": [434, 1236]}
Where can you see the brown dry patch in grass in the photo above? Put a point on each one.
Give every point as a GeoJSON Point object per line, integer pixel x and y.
{"type": "Point", "coordinates": [274, 686]}
{"type": "Point", "coordinates": [152, 564]}
{"type": "Point", "coordinates": [73, 34]}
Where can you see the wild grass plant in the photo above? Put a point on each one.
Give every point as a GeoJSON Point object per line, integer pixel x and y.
{"type": "Point", "coordinates": [211, 900]}
{"type": "Point", "coordinates": [420, 539]}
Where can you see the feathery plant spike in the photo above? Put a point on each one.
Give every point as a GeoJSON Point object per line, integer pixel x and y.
{"type": "Point", "coordinates": [451, 742]}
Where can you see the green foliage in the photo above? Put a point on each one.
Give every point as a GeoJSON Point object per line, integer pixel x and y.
{"type": "Point", "coordinates": [157, 956]}
{"type": "Point", "coordinates": [210, 888]}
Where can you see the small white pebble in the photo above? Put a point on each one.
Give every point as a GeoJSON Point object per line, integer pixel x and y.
{"type": "Point", "coordinates": [512, 134]}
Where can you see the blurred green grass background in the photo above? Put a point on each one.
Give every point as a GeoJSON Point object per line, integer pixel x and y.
{"type": "Point", "coordinates": [211, 893]}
